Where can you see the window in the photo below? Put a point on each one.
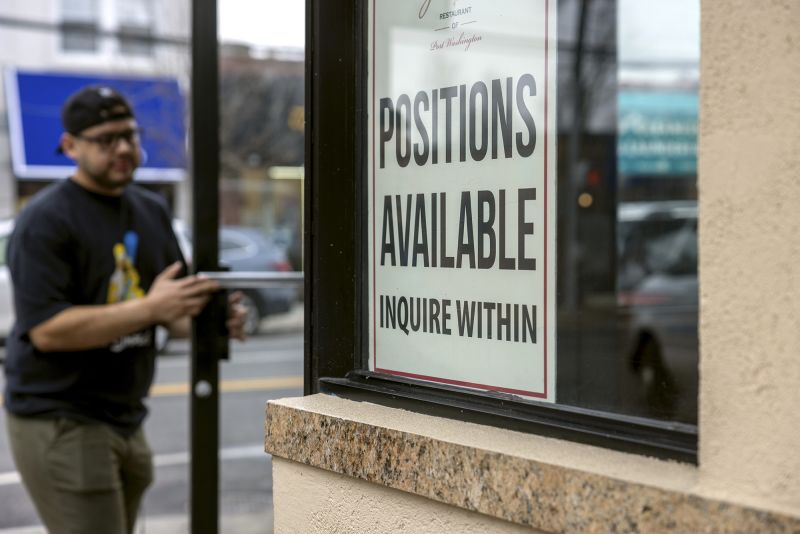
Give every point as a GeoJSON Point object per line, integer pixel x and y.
{"type": "Point", "coordinates": [79, 25]}
{"type": "Point", "coordinates": [526, 229]}
{"type": "Point", "coordinates": [135, 27]}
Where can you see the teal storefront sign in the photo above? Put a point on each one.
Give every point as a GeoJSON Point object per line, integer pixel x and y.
{"type": "Point", "coordinates": [657, 133]}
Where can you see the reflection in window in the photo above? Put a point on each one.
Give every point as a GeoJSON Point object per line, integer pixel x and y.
{"type": "Point", "coordinates": [627, 259]}
{"type": "Point", "coordinates": [79, 25]}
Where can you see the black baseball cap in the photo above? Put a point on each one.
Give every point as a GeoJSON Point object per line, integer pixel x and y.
{"type": "Point", "coordinates": [93, 105]}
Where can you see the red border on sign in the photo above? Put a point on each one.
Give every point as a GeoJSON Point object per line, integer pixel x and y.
{"type": "Point", "coordinates": [536, 394]}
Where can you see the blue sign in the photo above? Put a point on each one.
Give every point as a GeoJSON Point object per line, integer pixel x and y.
{"type": "Point", "coordinates": [657, 133]}
{"type": "Point", "coordinates": [34, 101]}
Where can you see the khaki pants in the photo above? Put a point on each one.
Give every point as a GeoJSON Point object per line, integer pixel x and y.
{"type": "Point", "coordinates": [82, 478]}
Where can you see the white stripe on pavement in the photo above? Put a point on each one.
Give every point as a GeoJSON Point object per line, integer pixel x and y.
{"type": "Point", "coordinates": [6, 479]}
{"type": "Point", "coordinates": [170, 460]}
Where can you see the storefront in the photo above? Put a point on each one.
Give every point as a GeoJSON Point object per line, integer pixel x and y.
{"type": "Point", "coordinates": [488, 346]}
{"type": "Point", "coordinates": [34, 99]}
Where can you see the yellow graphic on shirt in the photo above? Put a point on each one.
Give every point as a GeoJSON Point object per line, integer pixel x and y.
{"type": "Point", "coordinates": [124, 282]}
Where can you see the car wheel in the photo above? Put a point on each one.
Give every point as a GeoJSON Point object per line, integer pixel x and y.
{"type": "Point", "coordinates": [162, 338]}
{"type": "Point", "coordinates": [252, 318]}
{"type": "Point", "coordinates": [658, 385]}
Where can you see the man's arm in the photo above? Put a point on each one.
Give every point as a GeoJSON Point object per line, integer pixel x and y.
{"type": "Point", "coordinates": [169, 300]}
{"type": "Point", "coordinates": [88, 327]}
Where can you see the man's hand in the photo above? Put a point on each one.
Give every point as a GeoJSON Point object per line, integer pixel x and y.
{"type": "Point", "coordinates": [170, 299]}
{"type": "Point", "coordinates": [236, 316]}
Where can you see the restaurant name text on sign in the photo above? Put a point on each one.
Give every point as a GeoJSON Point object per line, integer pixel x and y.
{"type": "Point", "coordinates": [461, 199]}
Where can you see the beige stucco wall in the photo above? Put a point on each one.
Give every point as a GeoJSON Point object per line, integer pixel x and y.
{"type": "Point", "coordinates": [314, 501]}
{"type": "Point", "coordinates": [749, 181]}
{"type": "Point", "coordinates": [749, 424]}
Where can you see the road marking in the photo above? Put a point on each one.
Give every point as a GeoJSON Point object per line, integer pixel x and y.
{"type": "Point", "coordinates": [231, 453]}
{"type": "Point", "coordinates": [6, 479]}
{"type": "Point", "coordinates": [230, 386]}
{"type": "Point", "coordinates": [227, 386]}
{"type": "Point", "coordinates": [172, 459]}
{"type": "Point", "coordinates": [289, 355]}
{"type": "Point", "coordinates": [182, 388]}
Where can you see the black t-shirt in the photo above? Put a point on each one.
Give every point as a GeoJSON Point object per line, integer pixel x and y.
{"type": "Point", "coordinates": [74, 247]}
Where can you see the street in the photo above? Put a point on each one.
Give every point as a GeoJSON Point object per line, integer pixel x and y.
{"type": "Point", "coordinates": [265, 367]}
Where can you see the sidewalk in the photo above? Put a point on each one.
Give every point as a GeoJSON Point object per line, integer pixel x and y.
{"type": "Point", "coordinates": [282, 323]}
{"type": "Point", "coordinates": [240, 524]}
{"type": "Point", "coordinates": [245, 523]}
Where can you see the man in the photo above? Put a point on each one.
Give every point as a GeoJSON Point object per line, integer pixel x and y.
{"type": "Point", "coordinates": [95, 267]}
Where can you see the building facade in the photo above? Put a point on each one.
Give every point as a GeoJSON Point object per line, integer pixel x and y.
{"type": "Point", "coordinates": [96, 38]}
{"type": "Point", "coordinates": [347, 466]}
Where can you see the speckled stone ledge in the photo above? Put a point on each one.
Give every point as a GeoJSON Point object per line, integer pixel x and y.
{"type": "Point", "coordinates": [539, 494]}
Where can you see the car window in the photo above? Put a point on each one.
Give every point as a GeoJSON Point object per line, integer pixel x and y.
{"type": "Point", "coordinates": [674, 252]}
{"type": "Point", "coordinates": [661, 240]}
{"type": "Point", "coordinates": [228, 245]}
{"type": "Point", "coordinates": [236, 246]}
{"type": "Point", "coordinates": [234, 243]}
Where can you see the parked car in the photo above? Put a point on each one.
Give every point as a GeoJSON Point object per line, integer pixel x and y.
{"type": "Point", "coordinates": [247, 249]}
{"type": "Point", "coordinates": [658, 290]}
{"type": "Point", "coordinates": [6, 291]}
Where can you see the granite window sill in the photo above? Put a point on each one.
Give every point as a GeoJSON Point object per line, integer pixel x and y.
{"type": "Point", "coordinates": [539, 482]}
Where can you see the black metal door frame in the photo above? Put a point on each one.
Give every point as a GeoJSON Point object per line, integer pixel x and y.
{"type": "Point", "coordinates": [207, 338]}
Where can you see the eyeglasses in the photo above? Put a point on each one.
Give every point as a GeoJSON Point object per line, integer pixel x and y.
{"type": "Point", "coordinates": [108, 142]}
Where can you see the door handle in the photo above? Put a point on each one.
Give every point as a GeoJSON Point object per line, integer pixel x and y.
{"type": "Point", "coordinates": [255, 279]}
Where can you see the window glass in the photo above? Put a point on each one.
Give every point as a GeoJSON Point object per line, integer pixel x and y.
{"type": "Point", "coordinates": [135, 12]}
{"type": "Point", "coordinates": [79, 21]}
{"type": "Point", "coordinates": [79, 9]}
{"type": "Point", "coordinates": [628, 197]}
{"type": "Point", "coordinates": [262, 154]}
{"type": "Point", "coordinates": [618, 127]}
{"type": "Point", "coordinates": [135, 18]}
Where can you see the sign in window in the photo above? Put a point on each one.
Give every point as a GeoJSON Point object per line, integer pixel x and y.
{"type": "Point", "coordinates": [461, 201]}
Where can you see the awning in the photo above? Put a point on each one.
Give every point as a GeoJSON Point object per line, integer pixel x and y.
{"type": "Point", "coordinates": [34, 100]}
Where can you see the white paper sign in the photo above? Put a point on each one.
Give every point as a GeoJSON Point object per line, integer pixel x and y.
{"type": "Point", "coordinates": [461, 195]}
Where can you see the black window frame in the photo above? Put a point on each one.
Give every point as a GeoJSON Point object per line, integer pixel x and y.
{"type": "Point", "coordinates": [336, 267]}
